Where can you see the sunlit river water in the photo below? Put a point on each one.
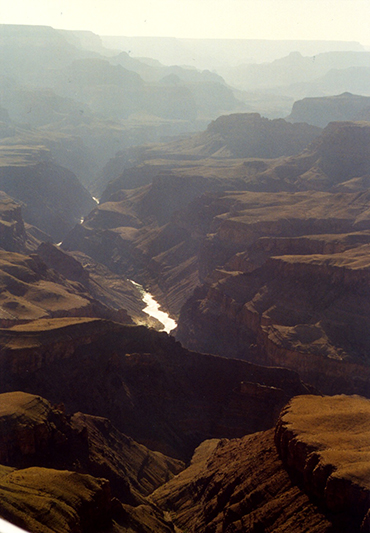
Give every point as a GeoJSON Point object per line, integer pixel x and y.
{"type": "Point", "coordinates": [152, 309]}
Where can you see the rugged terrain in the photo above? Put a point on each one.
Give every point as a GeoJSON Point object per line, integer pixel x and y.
{"type": "Point", "coordinates": [322, 110]}
{"type": "Point", "coordinates": [307, 480]}
{"type": "Point", "coordinates": [52, 197]}
{"type": "Point", "coordinates": [310, 474]}
{"type": "Point", "coordinates": [254, 235]}
{"type": "Point", "coordinates": [150, 387]}
{"type": "Point", "coordinates": [242, 135]}
{"type": "Point", "coordinates": [237, 267]}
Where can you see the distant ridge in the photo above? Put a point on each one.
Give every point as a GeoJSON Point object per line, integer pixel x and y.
{"type": "Point", "coordinates": [213, 53]}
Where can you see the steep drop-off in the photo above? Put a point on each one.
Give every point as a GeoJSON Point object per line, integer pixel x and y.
{"type": "Point", "coordinates": [313, 478]}
{"type": "Point", "coordinates": [152, 389]}
{"type": "Point", "coordinates": [54, 200]}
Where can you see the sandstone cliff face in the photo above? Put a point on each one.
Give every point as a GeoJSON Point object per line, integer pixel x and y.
{"type": "Point", "coordinates": [312, 477]}
{"type": "Point", "coordinates": [250, 135]}
{"type": "Point", "coordinates": [147, 384]}
{"type": "Point", "coordinates": [15, 235]}
{"type": "Point", "coordinates": [309, 474]}
{"type": "Point", "coordinates": [283, 285]}
{"type": "Point", "coordinates": [324, 443]}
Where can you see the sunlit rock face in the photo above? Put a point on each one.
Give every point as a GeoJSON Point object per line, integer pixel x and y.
{"type": "Point", "coordinates": [312, 475]}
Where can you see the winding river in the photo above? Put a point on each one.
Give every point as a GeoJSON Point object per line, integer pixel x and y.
{"type": "Point", "coordinates": [152, 309]}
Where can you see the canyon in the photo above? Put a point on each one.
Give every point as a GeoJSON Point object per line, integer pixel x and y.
{"type": "Point", "coordinates": [245, 405]}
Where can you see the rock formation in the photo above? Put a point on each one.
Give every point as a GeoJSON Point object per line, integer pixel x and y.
{"type": "Point", "coordinates": [319, 111]}
{"type": "Point", "coordinates": [13, 234]}
{"type": "Point", "coordinates": [291, 299]}
{"type": "Point", "coordinates": [30, 290]}
{"type": "Point", "coordinates": [54, 200]}
{"type": "Point", "coordinates": [309, 474]}
{"type": "Point", "coordinates": [55, 500]}
{"type": "Point", "coordinates": [239, 135]}
{"type": "Point", "coordinates": [314, 477]}
{"type": "Point", "coordinates": [35, 433]}
{"type": "Point", "coordinates": [152, 389]}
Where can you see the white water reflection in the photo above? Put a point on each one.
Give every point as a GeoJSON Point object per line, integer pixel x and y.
{"type": "Point", "coordinates": [152, 309]}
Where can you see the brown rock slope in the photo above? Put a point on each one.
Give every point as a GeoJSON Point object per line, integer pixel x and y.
{"type": "Point", "coordinates": [47, 500]}
{"type": "Point", "coordinates": [313, 477]}
{"type": "Point", "coordinates": [325, 443]}
{"type": "Point", "coordinates": [150, 387]}
{"type": "Point", "coordinates": [283, 284]}
{"type": "Point", "coordinates": [29, 290]}
{"type": "Point", "coordinates": [13, 234]}
{"type": "Point", "coordinates": [110, 289]}
{"type": "Point", "coordinates": [142, 232]}
{"type": "Point", "coordinates": [233, 136]}
{"type": "Point", "coordinates": [34, 433]}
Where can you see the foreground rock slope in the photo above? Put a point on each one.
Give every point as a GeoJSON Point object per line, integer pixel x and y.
{"type": "Point", "coordinates": [310, 474]}
{"type": "Point", "coordinates": [312, 477]}
{"type": "Point", "coordinates": [35, 433]}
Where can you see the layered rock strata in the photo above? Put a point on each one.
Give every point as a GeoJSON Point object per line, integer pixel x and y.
{"type": "Point", "coordinates": [150, 387]}
{"type": "Point", "coordinates": [311, 476]}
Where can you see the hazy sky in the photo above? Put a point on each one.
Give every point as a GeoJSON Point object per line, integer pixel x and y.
{"type": "Point", "coordinates": [258, 19]}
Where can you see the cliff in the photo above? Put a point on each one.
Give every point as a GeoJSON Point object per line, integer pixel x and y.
{"type": "Point", "coordinates": [324, 444]}
{"type": "Point", "coordinates": [274, 314]}
{"type": "Point", "coordinates": [229, 137]}
{"type": "Point", "coordinates": [308, 474]}
{"type": "Point", "coordinates": [13, 235]}
{"type": "Point", "coordinates": [36, 434]}
{"type": "Point", "coordinates": [319, 111]}
{"type": "Point", "coordinates": [172, 233]}
{"type": "Point", "coordinates": [313, 478]}
{"type": "Point", "coordinates": [54, 200]}
{"type": "Point", "coordinates": [152, 389]}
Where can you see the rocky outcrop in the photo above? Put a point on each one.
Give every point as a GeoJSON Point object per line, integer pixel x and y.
{"type": "Point", "coordinates": [313, 476]}
{"type": "Point", "coordinates": [239, 135]}
{"type": "Point", "coordinates": [64, 263]}
{"type": "Point", "coordinates": [55, 500]}
{"type": "Point", "coordinates": [31, 290]}
{"type": "Point", "coordinates": [150, 387]}
{"type": "Point", "coordinates": [309, 474]}
{"type": "Point", "coordinates": [274, 314]}
{"type": "Point", "coordinates": [32, 432]}
{"type": "Point", "coordinates": [35, 433]}
{"type": "Point", "coordinates": [319, 111]}
{"type": "Point", "coordinates": [12, 231]}
{"type": "Point", "coordinates": [324, 444]}
{"type": "Point", "coordinates": [250, 135]}
{"type": "Point", "coordinates": [53, 198]}
{"type": "Point", "coordinates": [239, 485]}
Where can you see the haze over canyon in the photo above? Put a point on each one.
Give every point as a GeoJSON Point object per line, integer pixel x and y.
{"type": "Point", "coordinates": [184, 284]}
